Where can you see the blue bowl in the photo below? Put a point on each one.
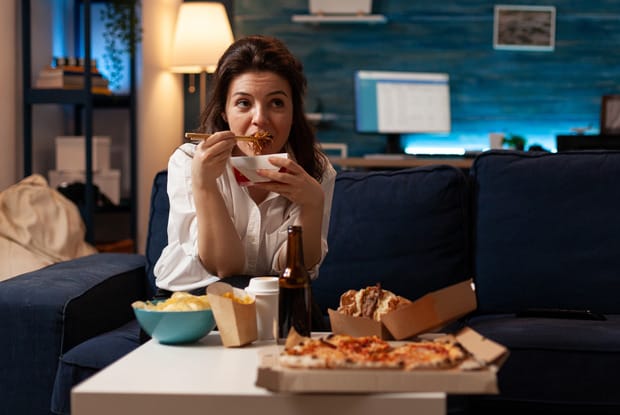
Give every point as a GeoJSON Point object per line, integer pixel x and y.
{"type": "Point", "coordinates": [176, 327]}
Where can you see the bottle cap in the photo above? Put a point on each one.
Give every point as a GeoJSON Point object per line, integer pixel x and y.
{"type": "Point", "coordinates": [263, 285]}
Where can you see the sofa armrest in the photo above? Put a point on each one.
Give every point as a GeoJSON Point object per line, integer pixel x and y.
{"type": "Point", "coordinates": [46, 312]}
{"type": "Point", "coordinates": [82, 297]}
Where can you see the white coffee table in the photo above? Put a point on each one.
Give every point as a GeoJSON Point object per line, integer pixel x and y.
{"type": "Point", "coordinates": [207, 378]}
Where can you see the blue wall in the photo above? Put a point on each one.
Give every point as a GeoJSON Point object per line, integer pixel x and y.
{"type": "Point", "coordinates": [534, 94]}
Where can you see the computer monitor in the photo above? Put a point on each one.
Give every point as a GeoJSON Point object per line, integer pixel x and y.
{"type": "Point", "coordinates": [396, 103]}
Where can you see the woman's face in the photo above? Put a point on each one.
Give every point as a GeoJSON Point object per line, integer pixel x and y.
{"type": "Point", "coordinates": [260, 102]}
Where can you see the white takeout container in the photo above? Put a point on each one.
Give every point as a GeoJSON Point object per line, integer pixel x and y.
{"type": "Point", "coordinates": [236, 322]}
{"type": "Point", "coordinates": [426, 313]}
{"type": "Point", "coordinates": [246, 167]}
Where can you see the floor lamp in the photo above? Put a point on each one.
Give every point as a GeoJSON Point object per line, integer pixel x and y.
{"type": "Point", "coordinates": [202, 34]}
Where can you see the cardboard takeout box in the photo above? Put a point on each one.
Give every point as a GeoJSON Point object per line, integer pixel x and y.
{"type": "Point", "coordinates": [271, 375]}
{"type": "Point", "coordinates": [236, 322]}
{"type": "Point", "coordinates": [429, 312]}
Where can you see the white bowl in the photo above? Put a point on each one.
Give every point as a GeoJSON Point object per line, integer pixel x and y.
{"type": "Point", "coordinates": [247, 166]}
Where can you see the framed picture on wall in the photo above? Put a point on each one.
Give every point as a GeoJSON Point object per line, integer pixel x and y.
{"type": "Point", "coordinates": [524, 28]}
{"type": "Point", "coordinates": [610, 114]}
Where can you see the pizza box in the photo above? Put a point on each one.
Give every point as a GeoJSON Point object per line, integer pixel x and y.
{"type": "Point", "coordinates": [431, 311]}
{"type": "Point", "coordinates": [489, 357]}
{"type": "Point", "coordinates": [236, 322]}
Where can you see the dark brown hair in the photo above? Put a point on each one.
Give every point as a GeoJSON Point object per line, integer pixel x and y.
{"type": "Point", "coordinates": [264, 53]}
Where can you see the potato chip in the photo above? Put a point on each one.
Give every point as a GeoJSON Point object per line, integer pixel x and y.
{"type": "Point", "coordinates": [179, 301]}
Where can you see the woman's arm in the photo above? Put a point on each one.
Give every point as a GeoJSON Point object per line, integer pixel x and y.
{"type": "Point", "coordinates": [219, 247]}
{"type": "Point", "coordinates": [179, 268]}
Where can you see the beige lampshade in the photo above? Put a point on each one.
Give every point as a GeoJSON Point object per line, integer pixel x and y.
{"type": "Point", "coordinates": [202, 34]}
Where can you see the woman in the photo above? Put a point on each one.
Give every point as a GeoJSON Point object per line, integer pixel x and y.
{"type": "Point", "coordinates": [218, 229]}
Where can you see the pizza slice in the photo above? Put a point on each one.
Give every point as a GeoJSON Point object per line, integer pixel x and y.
{"type": "Point", "coordinates": [428, 355]}
{"type": "Point", "coordinates": [312, 353]}
{"type": "Point", "coordinates": [339, 351]}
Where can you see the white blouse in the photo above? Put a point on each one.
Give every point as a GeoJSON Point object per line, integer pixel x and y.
{"type": "Point", "coordinates": [262, 228]}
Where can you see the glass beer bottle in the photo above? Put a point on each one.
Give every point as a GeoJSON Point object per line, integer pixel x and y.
{"type": "Point", "coordinates": [295, 295]}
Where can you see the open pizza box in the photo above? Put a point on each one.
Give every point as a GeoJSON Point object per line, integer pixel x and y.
{"type": "Point", "coordinates": [236, 322]}
{"type": "Point", "coordinates": [431, 311]}
{"type": "Point", "coordinates": [479, 377]}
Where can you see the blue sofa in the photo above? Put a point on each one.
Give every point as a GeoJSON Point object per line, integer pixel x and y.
{"type": "Point", "coordinates": [547, 235]}
{"type": "Point", "coordinates": [534, 230]}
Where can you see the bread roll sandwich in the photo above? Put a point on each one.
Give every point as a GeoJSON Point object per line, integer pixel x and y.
{"type": "Point", "coordinates": [370, 302]}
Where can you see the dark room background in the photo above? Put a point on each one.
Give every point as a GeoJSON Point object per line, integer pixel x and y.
{"type": "Point", "coordinates": [529, 93]}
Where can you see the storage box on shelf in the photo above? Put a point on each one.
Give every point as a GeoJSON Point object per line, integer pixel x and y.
{"type": "Point", "coordinates": [71, 165]}
{"type": "Point", "coordinates": [71, 153]}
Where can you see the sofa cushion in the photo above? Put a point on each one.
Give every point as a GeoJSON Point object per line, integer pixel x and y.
{"type": "Point", "coordinates": [547, 231]}
{"type": "Point", "coordinates": [88, 358]}
{"type": "Point", "coordinates": [376, 234]}
{"type": "Point", "coordinates": [551, 333]}
{"type": "Point", "coordinates": [556, 360]}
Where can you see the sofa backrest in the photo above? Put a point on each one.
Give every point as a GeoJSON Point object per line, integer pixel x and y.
{"type": "Point", "coordinates": [406, 229]}
{"type": "Point", "coordinates": [547, 230]}
{"type": "Point", "coordinates": [157, 236]}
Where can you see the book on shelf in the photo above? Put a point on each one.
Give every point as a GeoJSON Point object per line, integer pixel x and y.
{"type": "Point", "coordinates": [71, 78]}
{"type": "Point", "coordinates": [97, 90]}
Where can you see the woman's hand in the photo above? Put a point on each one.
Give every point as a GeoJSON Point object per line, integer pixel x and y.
{"type": "Point", "coordinates": [292, 182]}
{"type": "Point", "coordinates": [210, 158]}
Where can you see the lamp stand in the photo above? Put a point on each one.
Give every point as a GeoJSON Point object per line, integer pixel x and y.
{"type": "Point", "coordinates": [203, 90]}
{"type": "Point", "coordinates": [192, 83]}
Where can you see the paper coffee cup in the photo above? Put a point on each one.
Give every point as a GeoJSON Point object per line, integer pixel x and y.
{"type": "Point", "coordinates": [265, 292]}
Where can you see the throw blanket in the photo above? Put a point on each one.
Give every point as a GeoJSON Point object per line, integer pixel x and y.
{"type": "Point", "coordinates": [38, 227]}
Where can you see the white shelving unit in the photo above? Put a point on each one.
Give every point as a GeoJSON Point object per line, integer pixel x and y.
{"type": "Point", "coordinates": [339, 18]}
{"type": "Point", "coordinates": [318, 117]}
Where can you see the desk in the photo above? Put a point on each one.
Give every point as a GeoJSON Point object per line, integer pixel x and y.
{"type": "Point", "coordinates": [400, 163]}
{"type": "Point", "coordinates": [587, 142]}
{"type": "Point", "coordinates": [206, 377]}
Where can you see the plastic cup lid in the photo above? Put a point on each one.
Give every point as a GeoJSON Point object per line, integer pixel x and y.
{"type": "Point", "coordinates": [263, 285]}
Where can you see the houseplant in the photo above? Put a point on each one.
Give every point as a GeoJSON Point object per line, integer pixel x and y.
{"type": "Point", "coordinates": [122, 33]}
{"type": "Point", "coordinates": [515, 141]}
